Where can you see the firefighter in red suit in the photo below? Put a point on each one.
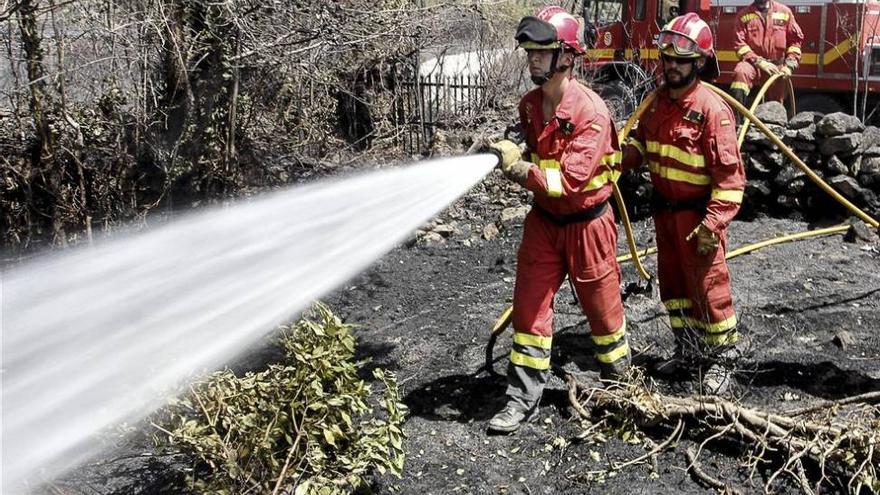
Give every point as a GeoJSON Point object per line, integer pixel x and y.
{"type": "Point", "coordinates": [572, 155]}
{"type": "Point", "coordinates": [768, 41]}
{"type": "Point", "coordinates": [688, 141]}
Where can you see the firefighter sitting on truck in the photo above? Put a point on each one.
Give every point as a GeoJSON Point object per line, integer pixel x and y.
{"type": "Point", "coordinates": [768, 41]}
{"type": "Point", "coordinates": [573, 156]}
{"type": "Point", "coordinates": [687, 138]}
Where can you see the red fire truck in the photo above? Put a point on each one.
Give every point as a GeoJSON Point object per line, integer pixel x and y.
{"type": "Point", "coordinates": [840, 63]}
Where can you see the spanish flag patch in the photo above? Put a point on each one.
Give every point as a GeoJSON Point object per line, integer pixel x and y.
{"type": "Point", "coordinates": [725, 122]}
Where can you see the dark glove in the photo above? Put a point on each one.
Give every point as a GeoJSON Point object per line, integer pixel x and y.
{"type": "Point", "coordinates": [507, 152]}
{"type": "Point", "coordinates": [707, 241]}
{"type": "Point", "coordinates": [517, 172]}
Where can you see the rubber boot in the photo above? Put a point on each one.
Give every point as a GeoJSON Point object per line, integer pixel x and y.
{"type": "Point", "coordinates": [616, 371]}
{"type": "Point", "coordinates": [684, 357]}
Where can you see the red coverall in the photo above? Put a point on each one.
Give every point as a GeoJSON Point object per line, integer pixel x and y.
{"type": "Point", "coordinates": [776, 37]}
{"type": "Point", "coordinates": [576, 156]}
{"type": "Point", "coordinates": [690, 147]}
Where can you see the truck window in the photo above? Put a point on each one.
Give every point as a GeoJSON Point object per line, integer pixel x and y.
{"type": "Point", "coordinates": [607, 11]}
{"type": "Point", "coordinates": [668, 9]}
{"type": "Point", "coordinates": [641, 10]}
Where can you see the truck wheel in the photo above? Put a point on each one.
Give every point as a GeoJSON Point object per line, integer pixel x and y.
{"type": "Point", "coordinates": [619, 97]}
{"type": "Point", "coordinates": [820, 103]}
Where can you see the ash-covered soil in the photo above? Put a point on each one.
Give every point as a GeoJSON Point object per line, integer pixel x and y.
{"type": "Point", "coordinates": [809, 311]}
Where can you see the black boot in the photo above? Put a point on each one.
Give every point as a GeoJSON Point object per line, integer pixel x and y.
{"type": "Point", "coordinates": [741, 96]}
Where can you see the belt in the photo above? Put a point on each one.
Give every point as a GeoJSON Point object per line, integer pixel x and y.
{"type": "Point", "coordinates": [661, 203]}
{"type": "Point", "coordinates": [576, 217]}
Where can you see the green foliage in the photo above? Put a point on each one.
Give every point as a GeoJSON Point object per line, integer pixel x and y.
{"type": "Point", "coordinates": [307, 422]}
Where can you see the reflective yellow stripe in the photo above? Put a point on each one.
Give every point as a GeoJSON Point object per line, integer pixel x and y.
{"type": "Point", "coordinates": [638, 145]}
{"type": "Point", "coordinates": [723, 339]}
{"type": "Point", "coordinates": [610, 339]}
{"type": "Point", "coordinates": [602, 179]}
{"type": "Point", "coordinates": [611, 159]}
{"type": "Point", "coordinates": [533, 340]}
{"type": "Point", "coordinates": [720, 327]}
{"type": "Point", "coordinates": [676, 153]}
{"type": "Point", "coordinates": [749, 17]}
{"type": "Point", "coordinates": [743, 50]}
{"type": "Point", "coordinates": [614, 355]}
{"type": "Point", "coordinates": [552, 174]}
{"type": "Point", "coordinates": [554, 182]}
{"type": "Point", "coordinates": [793, 49]}
{"type": "Point", "coordinates": [679, 175]}
{"type": "Point", "coordinates": [740, 85]}
{"type": "Point", "coordinates": [782, 16]}
{"type": "Point", "coordinates": [520, 359]}
{"type": "Point", "coordinates": [596, 127]}
{"type": "Point", "coordinates": [732, 195]}
{"type": "Point", "coordinates": [838, 50]}
{"type": "Point", "coordinates": [678, 322]}
{"type": "Point", "coordinates": [674, 304]}
{"type": "Point", "coordinates": [531, 45]}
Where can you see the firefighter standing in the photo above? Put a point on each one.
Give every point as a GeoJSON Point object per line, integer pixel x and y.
{"type": "Point", "coordinates": [573, 157]}
{"type": "Point", "coordinates": [768, 41]}
{"type": "Point", "coordinates": [688, 139]}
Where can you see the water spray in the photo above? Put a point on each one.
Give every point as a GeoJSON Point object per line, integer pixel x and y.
{"type": "Point", "coordinates": [99, 335]}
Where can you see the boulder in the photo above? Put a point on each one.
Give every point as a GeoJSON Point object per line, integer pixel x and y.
{"type": "Point", "coordinates": [846, 186]}
{"type": "Point", "coordinates": [844, 144]}
{"type": "Point", "coordinates": [772, 112]}
{"type": "Point", "coordinates": [804, 119]}
{"type": "Point", "coordinates": [835, 124]}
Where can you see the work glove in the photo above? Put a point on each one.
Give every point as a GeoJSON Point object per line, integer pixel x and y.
{"type": "Point", "coordinates": [517, 172]}
{"type": "Point", "coordinates": [767, 66]}
{"type": "Point", "coordinates": [789, 66]}
{"type": "Point", "coordinates": [507, 152]}
{"type": "Point", "coordinates": [707, 241]}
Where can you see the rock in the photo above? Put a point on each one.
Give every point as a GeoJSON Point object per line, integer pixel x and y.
{"type": "Point", "coordinates": [788, 201]}
{"type": "Point", "coordinates": [869, 174]}
{"type": "Point", "coordinates": [431, 238]}
{"type": "Point", "coordinates": [843, 339]}
{"type": "Point", "coordinates": [787, 175]}
{"type": "Point", "coordinates": [870, 137]}
{"type": "Point", "coordinates": [846, 186]}
{"type": "Point", "coordinates": [854, 165]}
{"type": "Point", "coordinates": [836, 166]}
{"type": "Point", "coordinates": [757, 137]}
{"type": "Point", "coordinates": [859, 232]}
{"type": "Point", "coordinates": [758, 189]}
{"type": "Point", "coordinates": [804, 119]}
{"type": "Point", "coordinates": [872, 151]}
{"type": "Point", "coordinates": [845, 144]}
{"type": "Point", "coordinates": [796, 186]}
{"type": "Point", "coordinates": [490, 231]}
{"type": "Point", "coordinates": [807, 134]}
{"type": "Point", "coordinates": [514, 213]}
{"type": "Point", "coordinates": [756, 165]}
{"type": "Point", "coordinates": [835, 124]}
{"type": "Point", "coordinates": [445, 230]}
{"type": "Point", "coordinates": [773, 158]}
{"type": "Point", "coordinates": [799, 145]}
{"type": "Point", "coordinates": [772, 112]}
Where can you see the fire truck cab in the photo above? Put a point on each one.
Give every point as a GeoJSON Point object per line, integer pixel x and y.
{"type": "Point", "coordinates": [840, 62]}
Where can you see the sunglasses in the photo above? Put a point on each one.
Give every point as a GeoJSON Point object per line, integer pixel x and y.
{"type": "Point", "coordinates": [677, 60]}
{"type": "Point", "coordinates": [681, 45]}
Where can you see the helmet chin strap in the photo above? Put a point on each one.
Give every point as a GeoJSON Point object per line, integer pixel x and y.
{"type": "Point", "coordinates": [543, 78]}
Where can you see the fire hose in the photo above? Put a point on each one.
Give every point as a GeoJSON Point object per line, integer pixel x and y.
{"type": "Point", "coordinates": [503, 321]}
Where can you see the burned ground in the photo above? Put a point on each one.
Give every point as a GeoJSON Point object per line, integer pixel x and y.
{"type": "Point", "coordinates": [809, 311]}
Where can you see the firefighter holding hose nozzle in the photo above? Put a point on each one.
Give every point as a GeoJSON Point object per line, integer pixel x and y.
{"type": "Point", "coordinates": [572, 155]}
{"type": "Point", "coordinates": [687, 138]}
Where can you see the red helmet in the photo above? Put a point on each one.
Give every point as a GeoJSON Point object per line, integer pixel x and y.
{"type": "Point", "coordinates": [686, 36]}
{"type": "Point", "coordinates": [550, 27]}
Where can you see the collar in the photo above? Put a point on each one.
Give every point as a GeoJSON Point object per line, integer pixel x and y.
{"type": "Point", "coordinates": [568, 101]}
